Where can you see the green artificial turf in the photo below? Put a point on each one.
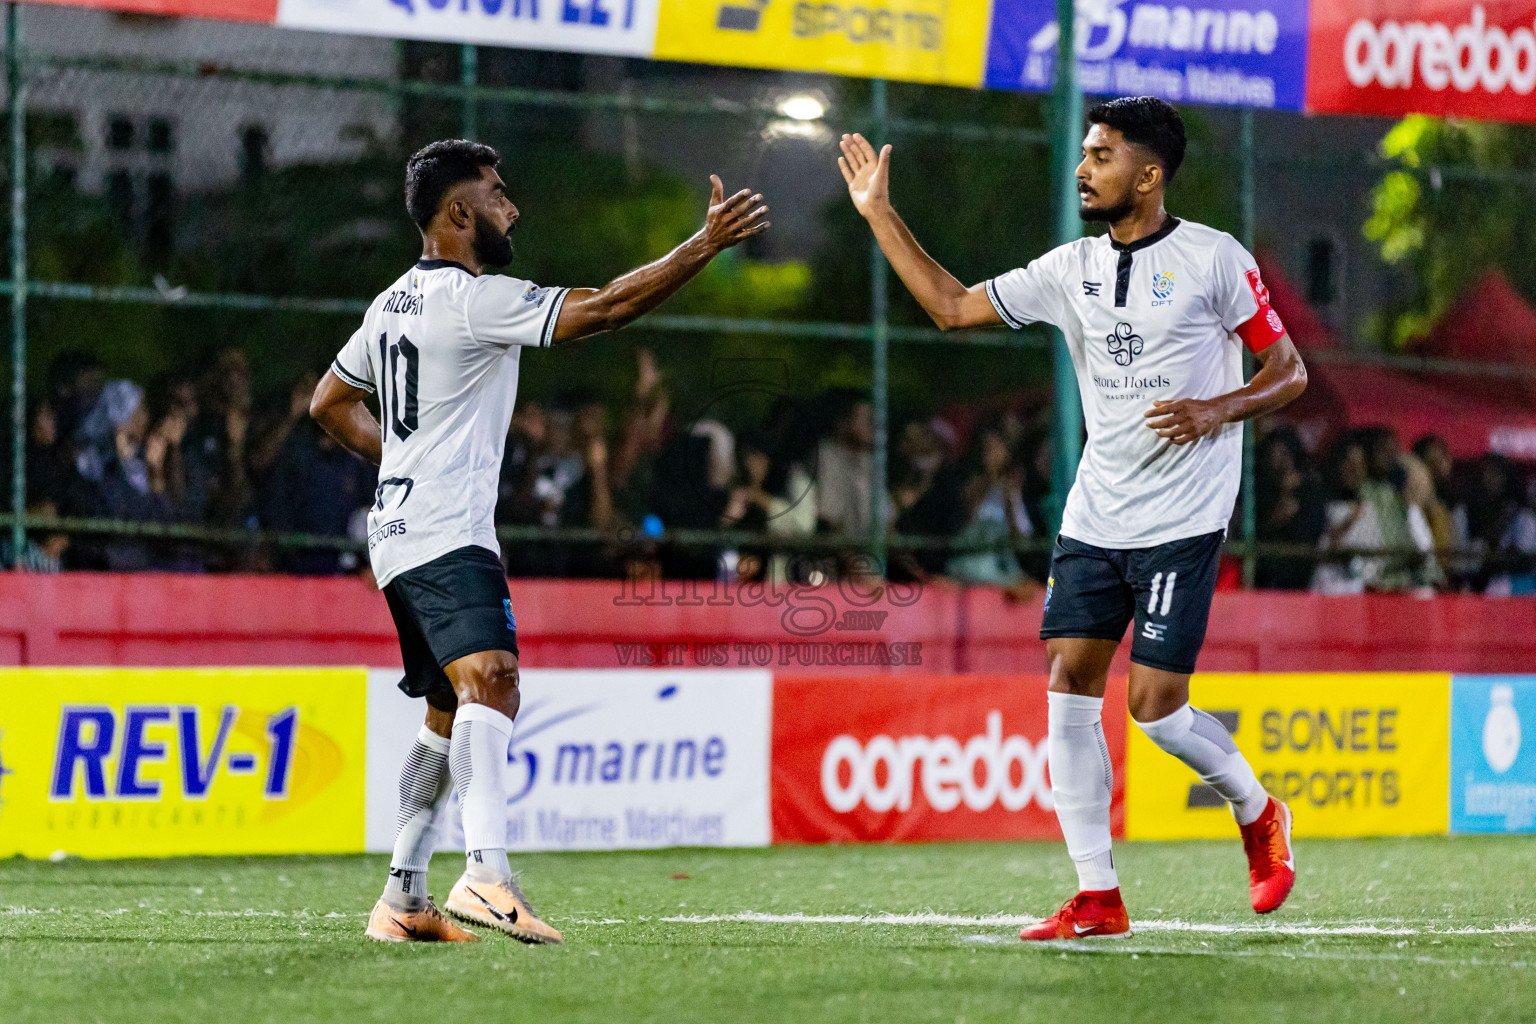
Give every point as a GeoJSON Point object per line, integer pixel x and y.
{"type": "Point", "coordinates": [1433, 929]}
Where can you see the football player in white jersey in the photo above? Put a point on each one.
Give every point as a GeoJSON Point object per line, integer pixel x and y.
{"type": "Point", "coordinates": [440, 347]}
{"type": "Point", "coordinates": [1154, 313]}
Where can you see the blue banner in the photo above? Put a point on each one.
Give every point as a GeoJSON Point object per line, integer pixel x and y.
{"type": "Point", "coordinates": [1243, 53]}
{"type": "Point", "coordinates": [1493, 754]}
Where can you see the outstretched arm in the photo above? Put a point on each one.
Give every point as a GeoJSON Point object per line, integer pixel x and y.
{"type": "Point", "coordinates": [338, 408]}
{"type": "Point", "coordinates": [1282, 377]}
{"type": "Point", "coordinates": [951, 304]}
{"type": "Point", "coordinates": [590, 311]}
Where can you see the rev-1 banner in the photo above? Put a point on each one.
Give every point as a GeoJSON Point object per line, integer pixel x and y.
{"type": "Point", "coordinates": [1249, 53]}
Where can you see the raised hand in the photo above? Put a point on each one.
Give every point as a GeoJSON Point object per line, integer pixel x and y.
{"type": "Point", "coordinates": [730, 221]}
{"type": "Point", "coordinates": [867, 174]}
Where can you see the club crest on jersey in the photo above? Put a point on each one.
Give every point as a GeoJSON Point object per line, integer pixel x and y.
{"type": "Point", "coordinates": [533, 293]}
{"type": "Point", "coordinates": [1125, 344]}
{"type": "Point", "coordinates": [1162, 288]}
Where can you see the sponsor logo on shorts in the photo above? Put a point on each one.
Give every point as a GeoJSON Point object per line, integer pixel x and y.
{"type": "Point", "coordinates": [506, 604]}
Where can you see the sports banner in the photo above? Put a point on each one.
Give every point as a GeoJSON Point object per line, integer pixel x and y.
{"type": "Point", "coordinates": [1353, 754]}
{"type": "Point", "coordinates": [1493, 759]}
{"type": "Point", "coordinates": [604, 760]}
{"type": "Point", "coordinates": [226, 10]}
{"type": "Point", "coordinates": [113, 762]}
{"type": "Point", "coordinates": [1249, 53]}
{"type": "Point", "coordinates": [1450, 58]}
{"type": "Point", "coordinates": [911, 40]}
{"type": "Point", "coordinates": [619, 27]}
{"type": "Point", "coordinates": [909, 757]}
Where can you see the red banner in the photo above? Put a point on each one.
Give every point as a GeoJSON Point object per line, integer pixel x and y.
{"type": "Point", "coordinates": [1451, 58]}
{"type": "Point", "coordinates": [870, 758]}
{"type": "Point", "coordinates": [264, 11]}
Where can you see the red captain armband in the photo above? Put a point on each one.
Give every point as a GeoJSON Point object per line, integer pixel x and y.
{"type": "Point", "coordinates": [1264, 328]}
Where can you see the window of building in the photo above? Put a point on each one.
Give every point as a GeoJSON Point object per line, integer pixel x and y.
{"type": "Point", "coordinates": [119, 132]}
{"type": "Point", "coordinates": [1322, 269]}
{"type": "Point", "coordinates": [160, 139]}
{"type": "Point", "coordinates": [254, 144]}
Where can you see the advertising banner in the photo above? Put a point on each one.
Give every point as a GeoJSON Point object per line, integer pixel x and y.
{"type": "Point", "coordinates": [605, 760]}
{"type": "Point", "coordinates": [1249, 53]}
{"type": "Point", "coordinates": [225, 10]}
{"type": "Point", "coordinates": [911, 40]}
{"type": "Point", "coordinates": [1493, 763]}
{"type": "Point", "coordinates": [619, 27]}
{"type": "Point", "coordinates": [1353, 754]}
{"type": "Point", "coordinates": [112, 762]}
{"type": "Point", "coordinates": [1451, 58]}
{"type": "Point", "coordinates": [870, 758]}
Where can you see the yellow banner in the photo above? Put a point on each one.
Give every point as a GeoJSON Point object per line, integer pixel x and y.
{"type": "Point", "coordinates": [108, 762]}
{"type": "Point", "coordinates": [1353, 754]}
{"type": "Point", "coordinates": [938, 41]}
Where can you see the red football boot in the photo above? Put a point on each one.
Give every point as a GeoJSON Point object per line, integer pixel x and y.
{"type": "Point", "coordinates": [1088, 915]}
{"type": "Point", "coordinates": [1271, 861]}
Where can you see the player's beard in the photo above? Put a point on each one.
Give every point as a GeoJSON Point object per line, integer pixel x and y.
{"type": "Point", "coordinates": [1112, 213]}
{"type": "Point", "coordinates": [492, 248]}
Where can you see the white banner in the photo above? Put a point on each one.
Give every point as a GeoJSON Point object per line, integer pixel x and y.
{"type": "Point", "coordinates": [604, 760]}
{"type": "Point", "coordinates": [620, 27]}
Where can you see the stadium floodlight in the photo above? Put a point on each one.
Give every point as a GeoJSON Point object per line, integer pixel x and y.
{"type": "Point", "coordinates": [803, 106]}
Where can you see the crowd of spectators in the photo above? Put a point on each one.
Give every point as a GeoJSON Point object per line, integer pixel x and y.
{"type": "Point", "coordinates": [197, 450]}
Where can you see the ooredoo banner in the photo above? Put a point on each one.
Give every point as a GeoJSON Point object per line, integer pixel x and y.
{"type": "Point", "coordinates": [605, 759]}
{"type": "Point", "coordinates": [1442, 57]}
{"type": "Point", "coordinates": [1353, 754]}
{"type": "Point", "coordinates": [906, 757]}
{"type": "Point", "coordinates": [119, 762]}
{"type": "Point", "coordinates": [1249, 53]}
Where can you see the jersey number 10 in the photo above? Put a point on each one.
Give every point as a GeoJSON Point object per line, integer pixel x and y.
{"type": "Point", "coordinates": [402, 421]}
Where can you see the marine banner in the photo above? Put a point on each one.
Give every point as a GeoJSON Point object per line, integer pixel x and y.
{"type": "Point", "coordinates": [1248, 53]}
{"type": "Point", "coordinates": [937, 41]}
{"type": "Point", "coordinates": [604, 759]}
{"type": "Point", "coordinates": [1493, 761]}
{"type": "Point", "coordinates": [1353, 754]}
{"type": "Point", "coordinates": [120, 762]}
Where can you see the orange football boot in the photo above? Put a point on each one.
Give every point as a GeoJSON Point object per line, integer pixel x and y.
{"type": "Point", "coordinates": [500, 905]}
{"type": "Point", "coordinates": [428, 924]}
{"type": "Point", "coordinates": [1271, 861]}
{"type": "Point", "coordinates": [1088, 915]}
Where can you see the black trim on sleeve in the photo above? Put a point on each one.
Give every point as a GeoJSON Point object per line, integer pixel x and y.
{"type": "Point", "coordinates": [350, 379]}
{"type": "Point", "coordinates": [547, 335]}
{"type": "Point", "coordinates": [1002, 311]}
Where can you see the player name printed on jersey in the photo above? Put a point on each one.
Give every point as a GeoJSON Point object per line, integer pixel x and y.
{"type": "Point", "coordinates": [912, 757]}
{"type": "Point", "coordinates": [606, 759]}
{"type": "Point", "coordinates": [1352, 754]}
{"type": "Point", "coordinates": [111, 762]}
{"type": "Point", "coordinates": [619, 27]}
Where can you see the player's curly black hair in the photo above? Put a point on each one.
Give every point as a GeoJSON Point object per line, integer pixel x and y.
{"type": "Point", "coordinates": [1146, 121]}
{"type": "Point", "coordinates": [435, 169]}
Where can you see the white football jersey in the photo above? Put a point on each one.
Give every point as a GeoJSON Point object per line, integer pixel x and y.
{"type": "Point", "coordinates": [441, 348]}
{"type": "Point", "coordinates": [1158, 319]}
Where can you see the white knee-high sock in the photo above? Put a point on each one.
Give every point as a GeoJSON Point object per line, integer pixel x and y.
{"type": "Point", "coordinates": [424, 787]}
{"type": "Point", "coordinates": [1204, 744]}
{"type": "Point", "coordinates": [1082, 784]}
{"type": "Point", "coordinates": [481, 738]}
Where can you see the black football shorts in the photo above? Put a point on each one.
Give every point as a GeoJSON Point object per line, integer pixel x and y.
{"type": "Point", "coordinates": [455, 605]}
{"type": "Point", "coordinates": [1166, 590]}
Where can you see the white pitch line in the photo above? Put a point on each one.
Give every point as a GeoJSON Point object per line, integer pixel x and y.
{"type": "Point", "coordinates": [1018, 921]}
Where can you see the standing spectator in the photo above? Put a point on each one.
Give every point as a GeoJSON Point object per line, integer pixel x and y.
{"type": "Point", "coordinates": [48, 461]}
{"type": "Point", "coordinates": [218, 481]}
{"type": "Point", "coordinates": [926, 496]}
{"type": "Point", "coordinates": [1291, 510]}
{"type": "Point", "coordinates": [843, 467]}
{"type": "Point", "coordinates": [130, 475]}
{"type": "Point", "coordinates": [75, 380]}
{"type": "Point", "coordinates": [1499, 530]}
{"type": "Point", "coordinates": [641, 440]}
{"type": "Point", "coordinates": [515, 504]}
{"type": "Point", "coordinates": [1433, 452]}
{"type": "Point", "coordinates": [1365, 514]}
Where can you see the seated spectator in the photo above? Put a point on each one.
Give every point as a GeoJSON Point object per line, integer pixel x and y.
{"type": "Point", "coordinates": [994, 495]}
{"type": "Point", "coordinates": [1498, 528]}
{"type": "Point", "coordinates": [843, 467]}
{"type": "Point", "coordinates": [926, 497]}
{"type": "Point", "coordinates": [1366, 513]}
{"type": "Point", "coordinates": [42, 554]}
{"type": "Point", "coordinates": [1291, 510]}
{"type": "Point", "coordinates": [129, 476]}
{"type": "Point", "coordinates": [1432, 451]}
